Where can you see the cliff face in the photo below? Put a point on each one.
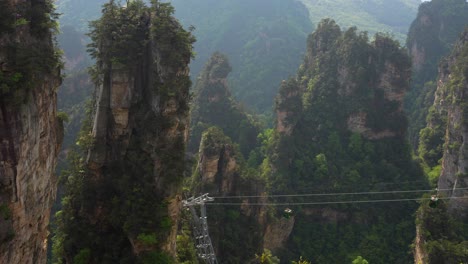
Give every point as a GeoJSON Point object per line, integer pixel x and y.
{"type": "Point", "coordinates": [135, 161]}
{"type": "Point", "coordinates": [30, 132]}
{"type": "Point", "coordinates": [443, 146]}
{"type": "Point", "coordinates": [214, 106]}
{"type": "Point", "coordinates": [221, 172]}
{"type": "Point", "coordinates": [431, 37]}
{"type": "Point", "coordinates": [450, 96]}
{"type": "Point", "coordinates": [363, 78]}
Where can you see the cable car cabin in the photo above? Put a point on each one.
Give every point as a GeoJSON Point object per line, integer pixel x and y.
{"type": "Point", "coordinates": [434, 201]}
{"type": "Point", "coordinates": [287, 213]}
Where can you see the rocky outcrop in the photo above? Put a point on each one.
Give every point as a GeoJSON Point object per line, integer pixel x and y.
{"type": "Point", "coordinates": [436, 27]}
{"type": "Point", "coordinates": [213, 105]}
{"type": "Point", "coordinates": [221, 173]}
{"type": "Point", "coordinates": [420, 255]}
{"type": "Point", "coordinates": [30, 137]}
{"type": "Point", "coordinates": [357, 123]}
{"type": "Point", "coordinates": [443, 145]}
{"type": "Point", "coordinates": [367, 81]}
{"type": "Point", "coordinates": [135, 145]}
{"type": "Point", "coordinates": [288, 106]}
{"type": "Point", "coordinates": [277, 233]}
{"type": "Point", "coordinates": [218, 164]}
{"type": "Point", "coordinates": [30, 141]}
{"type": "Point", "coordinates": [339, 112]}
{"type": "Point", "coordinates": [451, 93]}
{"type": "Point", "coordinates": [431, 37]}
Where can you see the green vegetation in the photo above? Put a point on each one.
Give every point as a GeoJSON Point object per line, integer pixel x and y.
{"type": "Point", "coordinates": [147, 239]}
{"type": "Point", "coordinates": [119, 212]}
{"type": "Point", "coordinates": [434, 138]}
{"type": "Point", "coordinates": [373, 16]}
{"type": "Point", "coordinates": [360, 260]}
{"type": "Point", "coordinates": [263, 40]}
{"type": "Point", "coordinates": [442, 228]}
{"type": "Point", "coordinates": [239, 226]}
{"type": "Point", "coordinates": [186, 252]}
{"type": "Point", "coordinates": [445, 236]}
{"type": "Point", "coordinates": [5, 211]}
{"type": "Point", "coordinates": [430, 38]}
{"type": "Point", "coordinates": [321, 154]}
{"type": "Point", "coordinates": [26, 61]}
{"type": "Point", "coordinates": [266, 258]}
{"type": "Point", "coordinates": [213, 106]}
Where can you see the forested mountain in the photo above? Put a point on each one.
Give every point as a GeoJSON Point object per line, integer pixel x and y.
{"type": "Point", "coordinates": [121, 204]}
{"type": "Point", "coordinates": [341, 128]}
{"type": "Point", "coordinates": [221, 170]}
{"type": "Point", "coordinates": [443, 231]}
{"type": "Point", "coordinates": [213, 105]}
{"type": "Point", "coordinates": [431, 37]}
{"type": "Point", "coordinates": [374, 16]}
{"type": "Point", "coordinates": [264, 41]}
{"type": "Point", "coordinates": [302, 139]}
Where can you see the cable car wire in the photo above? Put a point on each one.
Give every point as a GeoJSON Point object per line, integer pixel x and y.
{"type": "Point", "coordinates": [333, 202]}
{"type": "Point", "coordinates": [334, 194]}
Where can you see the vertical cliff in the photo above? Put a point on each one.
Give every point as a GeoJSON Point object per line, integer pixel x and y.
{"type": "Point", "coordinates": [224, 135]}
{"type": "Point", "coordinates": [213, 105]}
{"type": "Point", "coordinates": [30, 132]}
{"type": "Point", "coordinates": [431, 37]}
{"type": "Point", "coordinates": [223, 172]}
{"type": "Point", "coordinates": [450, 99]}
{"type": "Point", "coordinates": [444, 139]}
{"type": "Point", "coordinates": [123, 196]}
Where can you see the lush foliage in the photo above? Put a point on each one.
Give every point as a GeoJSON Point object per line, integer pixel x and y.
{"type": "Point", "coordinates": [263, 40]}
{"type": "Point", "coordinates": [27, 57]}
{"type": "Point", "coordinates": [119, 213]}
{"type": "Point", "coordinates": [213, 106]}
{"type": "Point", "coordinates": [443, 230]}
{"type": "Point", "coordinates": [430, 38]}
{"type": "Point", "coordinates": [234, 225]}
{"type": "Point", "coordinates": [321, 154]}
{"type": "Point", "coordinates": [373, 16]}
{"type": "Point", "coordinates": [445, 237]}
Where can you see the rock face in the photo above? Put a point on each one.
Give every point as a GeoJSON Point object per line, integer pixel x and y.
{"type": "Point", "coordinates": [288, 106]}
{"type": "Point", "coordinates": [134, 166]}
{"type": "Point", "coordinates": [220, 173]}
{"type": "Point", "coordinates": [431, 37]}
{"type": "Point", "coordinates": [385, 85]}
{"type": "Point", "coordinates": [132, 116]}
{"type": "Point", "coordinates": [420, 255]}
{"type": "Point", "coordinates": [218, 165]}
{"type": "Point", "coordinates": [30, 136]}
{"type": "Point", "coordinates": [213, 106]}
{"type": "Point", "coordinates": [277, 233]}
{"type": "Point", "coordinates": [450, 96]}
{"type": "Point", "coordinates": [443, 144]}
{"type": "Point", "coordinates": [433, 31]}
